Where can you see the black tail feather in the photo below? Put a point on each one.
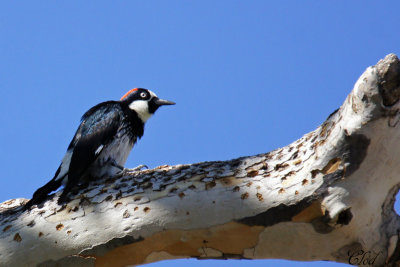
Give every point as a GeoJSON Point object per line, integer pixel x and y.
{"type": "Point", "coordinates": [42, 193]}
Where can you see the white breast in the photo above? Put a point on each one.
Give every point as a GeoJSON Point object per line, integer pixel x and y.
{"type": "Point", "coordinates": [118, 150]}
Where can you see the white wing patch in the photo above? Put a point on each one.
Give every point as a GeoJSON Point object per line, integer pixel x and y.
{"type": "Point", "coordinates": [64, 165]}
{"type": "Point", "coordinates": [98, 150]}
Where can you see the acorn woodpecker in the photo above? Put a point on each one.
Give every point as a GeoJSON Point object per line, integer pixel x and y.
{"type": "Point", "coordinates": [102, 143]}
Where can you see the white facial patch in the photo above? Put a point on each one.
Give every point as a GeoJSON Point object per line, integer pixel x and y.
{"type": "Point", "coordinates": [142, 109]}
{"type": "Point", "coordinates": [152, 94]}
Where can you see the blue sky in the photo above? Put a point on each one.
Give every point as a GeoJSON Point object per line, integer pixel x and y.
{"type": "Point", "coordinates": [247, 76]}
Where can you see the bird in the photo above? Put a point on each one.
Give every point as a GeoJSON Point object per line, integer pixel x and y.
{"type": "Point", "coordinates": [101, 145]}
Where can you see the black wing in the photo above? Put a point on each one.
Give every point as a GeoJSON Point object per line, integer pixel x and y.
{"type": "Point", "coordinates": [98, 128]}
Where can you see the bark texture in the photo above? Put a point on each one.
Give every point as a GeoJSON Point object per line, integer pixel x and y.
{"type": "Point", "coordinates": [327, 196]}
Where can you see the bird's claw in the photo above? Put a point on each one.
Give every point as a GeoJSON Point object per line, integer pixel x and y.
{"type": "Point", "coordinates": [136, 169]}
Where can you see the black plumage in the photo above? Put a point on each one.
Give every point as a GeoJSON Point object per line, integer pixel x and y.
{"type": "Point", "coordinates": [102, 143]}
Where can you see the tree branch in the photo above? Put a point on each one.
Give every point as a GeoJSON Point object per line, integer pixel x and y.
{"type": "Point", "coordinates": [327, 196]}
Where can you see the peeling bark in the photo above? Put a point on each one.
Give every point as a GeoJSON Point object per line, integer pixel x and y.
{"type": "Point", "coordinates": [327, 196]}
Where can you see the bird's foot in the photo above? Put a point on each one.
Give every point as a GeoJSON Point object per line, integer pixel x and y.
{"type": "Point", "coordinates": [138, 168]}
{"type": "Point", "coordinates": [126, 171]}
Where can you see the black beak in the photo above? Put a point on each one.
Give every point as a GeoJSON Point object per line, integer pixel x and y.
{"type": "Point", "coordinates": [162, 102]}
{"type": "Point", "coordinates": [155, 103]}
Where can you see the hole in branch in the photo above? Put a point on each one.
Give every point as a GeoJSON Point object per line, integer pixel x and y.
{"type": "Point", "coordinates": [344, 217]}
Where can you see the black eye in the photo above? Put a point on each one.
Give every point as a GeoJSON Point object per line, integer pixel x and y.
{"type": "Point", "coordinates": [143, 95]}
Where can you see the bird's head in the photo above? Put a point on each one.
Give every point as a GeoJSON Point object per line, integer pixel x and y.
{"type": "Point", "coordinates": [144, 102]}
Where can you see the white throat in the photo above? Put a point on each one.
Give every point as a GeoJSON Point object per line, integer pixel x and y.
{"type": "Point", "coordinates": [142, 109]}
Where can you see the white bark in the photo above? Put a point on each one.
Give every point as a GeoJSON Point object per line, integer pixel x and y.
{"type": "Point", "coordinates": [326, 196]}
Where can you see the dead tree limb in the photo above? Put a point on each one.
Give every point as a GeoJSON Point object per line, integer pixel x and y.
{"type": "Point", "coordinates": [327, 196]}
